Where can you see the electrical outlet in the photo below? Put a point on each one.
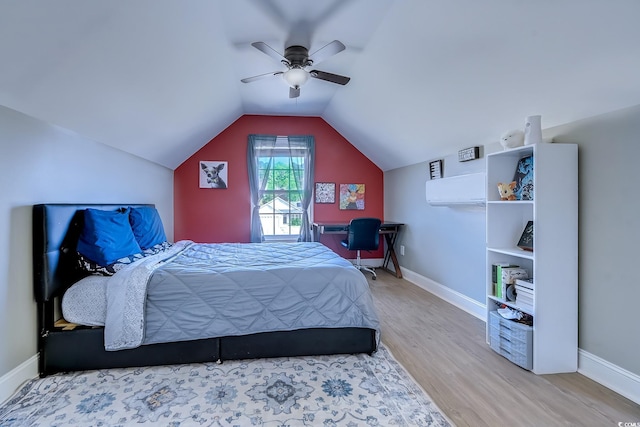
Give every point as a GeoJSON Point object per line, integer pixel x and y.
{"type": "Point", "coordinates": [401, 249]}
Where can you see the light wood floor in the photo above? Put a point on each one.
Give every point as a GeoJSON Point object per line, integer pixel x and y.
{"type": "Point", "coordinates": [445, 350]}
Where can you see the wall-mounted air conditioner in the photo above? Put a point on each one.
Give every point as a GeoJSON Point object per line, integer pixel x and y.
{"type": "Point", "coordinates": [467, 189]}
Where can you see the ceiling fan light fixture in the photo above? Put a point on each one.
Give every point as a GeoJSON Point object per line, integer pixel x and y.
{"type": "Point", "coordinates": [295, 77]}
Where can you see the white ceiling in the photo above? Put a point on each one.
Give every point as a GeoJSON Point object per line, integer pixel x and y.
{"type": "Point", "coordinates": [160, 78]}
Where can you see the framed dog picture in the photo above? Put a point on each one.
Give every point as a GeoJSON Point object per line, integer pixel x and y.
{"type": "Point", "coordinates": [213, 174]}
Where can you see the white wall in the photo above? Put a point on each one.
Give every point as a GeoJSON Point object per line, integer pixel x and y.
{"type": "Point", "coordinates": [444, 244]}
{"type": "Point", "coordinates": [41, 163]}
{"type": "Point", "coordinates": [609, 232]}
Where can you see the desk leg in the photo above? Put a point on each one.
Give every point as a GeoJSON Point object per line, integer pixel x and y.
{"type": "Point", "coordinates": [391, 254]}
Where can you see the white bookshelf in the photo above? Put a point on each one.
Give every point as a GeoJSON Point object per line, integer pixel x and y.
{"type": "Point", "coordinates": [553, 264]}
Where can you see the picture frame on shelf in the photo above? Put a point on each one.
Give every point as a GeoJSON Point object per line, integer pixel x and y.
{"type": "Point", "coordinates": [467, 154]}
{"type": "Point", "coordinates": [526, 239]}
{"type": "Point", "coordinates": [435, 169]}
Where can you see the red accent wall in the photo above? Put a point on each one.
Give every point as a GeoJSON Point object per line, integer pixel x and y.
{"type": "Point", "coordinates": [213, 215]}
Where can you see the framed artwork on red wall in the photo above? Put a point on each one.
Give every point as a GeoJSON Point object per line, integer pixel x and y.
{"type": "Point", "coordinates": [352, 196]}
{"type": "Point", "coordinates": [325, 192]}
{"type": "Point", "coordinates": [213, 174]}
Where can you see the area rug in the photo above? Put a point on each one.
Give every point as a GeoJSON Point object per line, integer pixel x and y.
{"type": "Point", "coordinates": [342, 390]}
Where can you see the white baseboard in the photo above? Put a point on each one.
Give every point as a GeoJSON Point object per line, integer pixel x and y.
{"type": "Point", "coordinates": [609, 375]}
{"type": "Point", "coordinates": [12, 380]}
{"type": "Point", "coordinates": [601, 371]}
{"type": "Point", "coordinates": [461, 301]}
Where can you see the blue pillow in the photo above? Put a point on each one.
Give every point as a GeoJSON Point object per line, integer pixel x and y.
{"type": "Point", "coordinates": [107, 236]}
{"type": "Point", "coordinates": [147, 226]}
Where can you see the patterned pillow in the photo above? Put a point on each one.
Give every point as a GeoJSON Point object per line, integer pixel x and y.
{"type": "Point", "coordinates": [109, 270]}
{"type": "Point", "coordinates": [156, 249]}
{"type": "Point", "coordinates": [91, 267]}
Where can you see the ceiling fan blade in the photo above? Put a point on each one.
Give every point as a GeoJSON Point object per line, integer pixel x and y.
{"type": "Point", "coordinates": [294, 92]}
{"type": "Point", "coordinates": [327, 51]}
{"type": "Point", "coordinates": [261, 76]}
{"type": "Point", "coordinates": [330, 77]}
{"type": "Point", "coordinates": [268, 50]}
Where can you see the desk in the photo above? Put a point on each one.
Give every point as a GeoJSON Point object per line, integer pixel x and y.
{"type": "Point", "coordinates": [389, 230]}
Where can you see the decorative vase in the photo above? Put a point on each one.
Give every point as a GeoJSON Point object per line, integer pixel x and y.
{"type": "Point", "coordinates": [532, 130]}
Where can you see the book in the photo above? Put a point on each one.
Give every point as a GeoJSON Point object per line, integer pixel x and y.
{"type": "Point", "coordinates": [524, 179]}
{"type": "Point", "coordinates": [525, 283]}
{"type": "Point", "coordinates": [523, 289]}
{"type": "Point", "coordinates": [526, 239]}
{"type": "Point", "coordinates": [496, 278]}
{"type": "Point", "coordinates": [524, 298]}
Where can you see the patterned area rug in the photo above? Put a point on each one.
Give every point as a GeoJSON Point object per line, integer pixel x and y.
{"type": "Point", "coordinates": [347, 390]}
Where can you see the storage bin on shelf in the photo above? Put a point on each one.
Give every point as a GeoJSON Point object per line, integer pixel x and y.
{"type": "Point", "coordinates": [511, 339]}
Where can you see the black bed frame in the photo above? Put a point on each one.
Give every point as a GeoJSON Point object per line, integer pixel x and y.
{"type": "Point", "coordinates": [56, 228]}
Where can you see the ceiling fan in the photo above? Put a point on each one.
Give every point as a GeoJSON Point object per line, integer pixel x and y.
{"type": "Point", "coordinates": [297, 59]}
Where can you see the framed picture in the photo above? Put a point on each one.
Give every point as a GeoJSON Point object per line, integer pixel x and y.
{"type": "Point", "coordinates": [526, 240]}
{"type": "Point", "coordinates": [325, 192]}
{"type": "Point", "coordinates": [213, 174]}
{"type": "Point", "coordinates": [352, 196]}
{"type": "Point", "coordinates": [435, 169]}
{"type": "Point", "coordinates": [524, 179]}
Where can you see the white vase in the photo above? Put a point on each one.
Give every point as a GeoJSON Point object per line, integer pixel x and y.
{"type": "Point", "coordinates": [532, 130]}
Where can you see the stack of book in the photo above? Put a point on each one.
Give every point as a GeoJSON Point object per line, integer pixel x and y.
{"type": "Point", "coordinates": [524, 294]}
{"type": "Point", "coordinates": [499, 290]}
{"type": "Point", "coordinates": [504, 275]}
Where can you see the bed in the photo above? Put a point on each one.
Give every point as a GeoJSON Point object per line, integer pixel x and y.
{"type": "Point", "coordinates": [268, 323]}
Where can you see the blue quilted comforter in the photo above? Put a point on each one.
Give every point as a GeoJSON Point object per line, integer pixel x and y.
{"type": "Point", "coordinates": [210, 290]}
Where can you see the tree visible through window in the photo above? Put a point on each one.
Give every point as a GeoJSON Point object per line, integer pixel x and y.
{"type": "Point", "coordinates": [281, 199]}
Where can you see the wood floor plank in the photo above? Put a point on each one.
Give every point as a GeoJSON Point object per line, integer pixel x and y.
{"type": "Point", "coordinates": [445, 350]}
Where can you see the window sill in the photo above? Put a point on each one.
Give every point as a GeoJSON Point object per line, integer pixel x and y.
{"type": "Point", "coordinates": [280, 239]}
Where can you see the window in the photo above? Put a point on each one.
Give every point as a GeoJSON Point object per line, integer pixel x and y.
{"type": "Point", "coordinates": [280, 199]}
{"type": "Point", "coordinates": [280, 169]}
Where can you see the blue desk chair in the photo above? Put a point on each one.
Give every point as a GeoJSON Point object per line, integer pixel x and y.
{"type": "Point", "coordinates": [363, 234]}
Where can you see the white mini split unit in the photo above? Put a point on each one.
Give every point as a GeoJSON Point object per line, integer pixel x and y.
{"type": "Point", "coordinates": [461, 190]}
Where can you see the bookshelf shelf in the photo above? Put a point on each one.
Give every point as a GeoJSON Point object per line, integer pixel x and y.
{"type": "Point", "coordinates": [554, 262]}
{"type": "Point", "coordinates": [511, 202]}
{"type": "Point", "coordinates": [510, 304]}
{"type": "Point", "coordinates": [516, 252]}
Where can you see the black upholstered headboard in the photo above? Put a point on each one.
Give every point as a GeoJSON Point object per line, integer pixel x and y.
{"type": "Point", "coordinates": [56, 229]}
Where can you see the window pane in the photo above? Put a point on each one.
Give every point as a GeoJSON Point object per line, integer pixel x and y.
{"type": "Point", "coordinates": [280, 202]}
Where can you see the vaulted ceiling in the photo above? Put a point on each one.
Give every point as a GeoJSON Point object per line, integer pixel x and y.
{"type": "Point", "coordinates": [160, 78]}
